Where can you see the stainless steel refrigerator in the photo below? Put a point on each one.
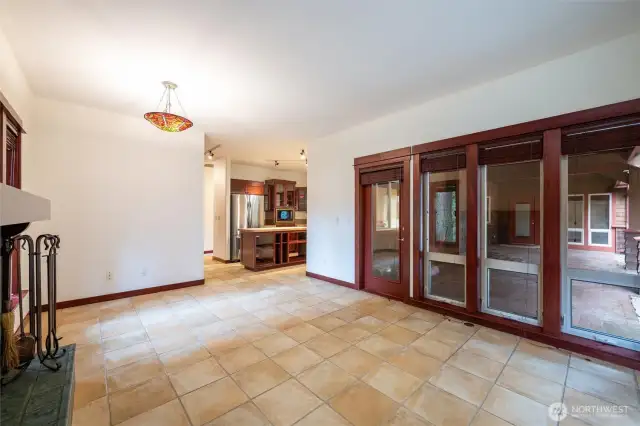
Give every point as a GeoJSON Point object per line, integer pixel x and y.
{"type": "Point", "coordinates": [247, 211]}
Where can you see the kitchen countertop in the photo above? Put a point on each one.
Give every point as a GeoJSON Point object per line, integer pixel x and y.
{"type": "Point", "coordinates": [275, 229]}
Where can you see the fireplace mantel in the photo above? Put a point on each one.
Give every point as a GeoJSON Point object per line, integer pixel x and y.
{"type": "Point", "coordinates": [18, 206]}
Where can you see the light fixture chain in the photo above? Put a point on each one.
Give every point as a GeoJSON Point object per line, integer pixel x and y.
{"type": "Point", "coordinates": [184, 111]}
{"type": "Point", "coordinates": [161, 98]}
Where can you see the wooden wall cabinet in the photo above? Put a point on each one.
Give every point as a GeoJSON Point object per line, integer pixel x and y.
{"type": "Point", "coordinates": [301, 199]}
{"type": "Point", "coordinates": [278, 193]}
{"type": "Point", "coordinates": [242, 186]}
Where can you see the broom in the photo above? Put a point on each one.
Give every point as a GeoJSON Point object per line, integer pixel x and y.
{"type": "Point", "coordinates": [9, 348]}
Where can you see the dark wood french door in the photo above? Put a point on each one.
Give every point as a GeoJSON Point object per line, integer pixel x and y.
{"type": "Point", "coordinates": [384, 225]}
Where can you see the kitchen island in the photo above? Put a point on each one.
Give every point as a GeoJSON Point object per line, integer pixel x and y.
{"type": "Point", "coordinates": [273, 247]}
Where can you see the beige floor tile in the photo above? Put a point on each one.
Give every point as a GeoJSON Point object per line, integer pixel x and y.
{"type": "Point", "coordinates": [323, 416]}
{"type": "Point", "coordinates": [182, 358]}
{"type": "Point", "coordinates": [428, 316]}
{"type": "Point", "coordinates": [393, 382]}
{"type": "Point", "coordinates": [516, 409]}
{"type": "Point", "coordinates": [327, 322]}
{"type": "Point", "coordinates": [624, 376]}
{"type": "Point", "coordinates": [260, 377]}
{"type": "Point", "coordinates": [541, 390]}
{"type": "Point", "coordinates": [303, 332]}
{"type": "Point", "coordinates": [440, 408]}
{"type": "Point", "coordinates": [416, 324]}
{"type": "Point", "coordinates": [363, 405]}
{"type": "Point", "coordinates": [212, 401]}
{"type": "Point", "coordinates": [355, 361]}
{"type": "Point", "coordinates": [245, 415]}
{"type": "Point", "coordinates": [128, 355]}
{"type": "Point", "coordinates": [350, 333]}
{"type": "Point", "coordinates": [404, 417]}
{"type": "Point", "coordinates": [124, 340]}
{"type": "Point", "coordinates": [416, 364]}
{"type": "Point", "coordinates": [84, 333]}
{"type": "Point", "coordinates": [95, 413]}
{"type": "Point", "coordinates": [326, 380]}
{"type": "Point", "coordinates": [348, 314]}
{"type": "Point", "coordinates": [89, 360]}
{"type": "Point", "coordinates": [464, 385]}
{"type": "Point", "coordinates": [380, 347]}
{"type": "Point", "coordinates": [120, 325]}
{"type": "Point", "coordinates": [445, 334]}
{"type": "Point", "coordinates": [540, 362]}
{"type": "Point", "coordinates": [241, 321]}
{"type": "Point", "coordinates": [89, 388]}
{"type": "Point", "coordinates": [577, 401]}
{"type": "Point", "coordinates": [484, 418]}
{"type": "Point", "coordinates": [283, 322]}
{"type": "Point", "coordinates": [476, 364]}
{"type": "Point", "coordinates": [326, 345]}
{"type": "Point", "coordinates": [169, 414]}
{"type": "Point", "coordinates": [196, 376]}
{"type": "Point", "coordinates": [136, 400]}
{"type": "Point", "coordinates": [222, 343]}
{"type": "Point", "coordinates": [370, 324]}
{"type": "Point", "coordinates": [277, 407]}
{"type": "Point", "coordinates": [433, 348]}
{"type": "Point", "coordinates": [133, 374]}
{"type": "Point", "coordinates": [274, 344]}
{"type": "Point", "coordinates": [255, 332]}
{"type": "Point", "coordinates": [240, 358]}
{"type": "Point", "coordinates": [171, 343]}
{"type": "Point", "coordinates": [399, 335]}
{"type": "Point", "coordinates": [390, 315]}
{"type": "Point", "coordinates": [297, 359]}
{"type": "Point", "coordinates": [602, 388]}
{"type": "Point", "coordinates": [492, 344]}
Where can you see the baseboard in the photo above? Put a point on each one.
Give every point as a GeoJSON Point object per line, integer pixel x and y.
{"type": "Point", "coordinates": [331, 280]}
{"type": "Point", "coordinates": [208, 252]}
{"type": "Point", "coordinates": [123, 295]}
{"type": "Point", "coordinates": [221, 260]}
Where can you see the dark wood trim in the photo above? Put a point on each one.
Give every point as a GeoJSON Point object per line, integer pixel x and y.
{"type": "Point", "coordinates": [359, 225]}
{"type": "Point", "coordinates": [388, 155]}
{"type": "Point", "coordinates": [405, 231]}
{"type": "Point", "coordinates": [208, 252]}
{"type": "Point", "coordinates": [219, 259]}
{"type": "Point", "coordinates": [551, 244]}
{"type": "Point", "coordinates": [570, 119]}
{"type": "Point", "coordinates": [330, 280]}
{"type": "Point", "coordinates": [473, 220]}
{"type": "Point", "coordinates": [417, 228]}
{"type": "Point", "coordinates": [123, 295]}
{"type": "Point", "coordinates": [587, 347]}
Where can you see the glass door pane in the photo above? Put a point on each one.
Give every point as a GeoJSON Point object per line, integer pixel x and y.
{"type": "Point", "coordinates": [510, 249]}
{"type": "Point", "coordinates": [601, 290]}
{"type": "Point", "coordinates": [385, 199]}
{"type": "Point", "coordinates": [445, 231]}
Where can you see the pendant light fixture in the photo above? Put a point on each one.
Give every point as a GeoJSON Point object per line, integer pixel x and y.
{"type": "Point", "coordinates": [165, 120]}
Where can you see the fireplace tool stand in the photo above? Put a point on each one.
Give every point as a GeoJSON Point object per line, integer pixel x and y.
{"type": "Point", "coordinates": [31, 343]}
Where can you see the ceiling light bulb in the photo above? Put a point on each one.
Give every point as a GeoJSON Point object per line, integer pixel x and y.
{"type": "Point", "coordinates": [277, 164]}
{"type": "Point", "coordinates": [303, 155]}
{"type": "Point", "coordinates": [210, 155]}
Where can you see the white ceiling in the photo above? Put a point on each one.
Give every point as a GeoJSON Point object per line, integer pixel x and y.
{"type": "Point", "coordinates": [264, 77]}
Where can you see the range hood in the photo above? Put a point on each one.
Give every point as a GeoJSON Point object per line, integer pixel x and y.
{"type": "Point", "coordinates": [17, 206]}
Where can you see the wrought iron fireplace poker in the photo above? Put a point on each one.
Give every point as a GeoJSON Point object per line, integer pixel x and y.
{"type": "Point", "coordinates": [35, 342]}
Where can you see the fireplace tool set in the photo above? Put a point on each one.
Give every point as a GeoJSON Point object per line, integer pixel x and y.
{"type": "Point", "coordinates": [18, 350]}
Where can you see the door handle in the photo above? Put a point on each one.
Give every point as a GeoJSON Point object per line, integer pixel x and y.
{"type": "Point", "coordinates": [400, 239]}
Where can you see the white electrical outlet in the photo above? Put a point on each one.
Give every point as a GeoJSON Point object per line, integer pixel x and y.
{"type": "Point", "coordinates": [109, 275]}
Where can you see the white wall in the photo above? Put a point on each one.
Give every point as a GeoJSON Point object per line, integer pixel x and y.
{"type": "Point", "coordinates": [125, 197]}
{"type": "Point", "coordinates": [256, 173]}
{"type": "Point", "coordinates": [222, 205]}
{"type": "Point", "coordinates": [208, 208]}
{"type": "Point", "coordinates": [601, 75]}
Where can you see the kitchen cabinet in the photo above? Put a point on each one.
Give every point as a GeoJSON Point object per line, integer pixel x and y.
{"type": "Point", "coordinates": [301, 199]}
{"type": "Point", "coordinates": [242, 186]}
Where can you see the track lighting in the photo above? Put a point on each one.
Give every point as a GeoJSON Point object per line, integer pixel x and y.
{"type": "Point", "coordinates": [277, 163]}
{"type": "Point", "coordinates": [303, 155]}
{"type": "Point", "coordinates": [210, 155]}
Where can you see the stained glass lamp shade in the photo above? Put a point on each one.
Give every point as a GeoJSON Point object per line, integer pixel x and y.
{"type": "Point", "coordinates": [165, 120]}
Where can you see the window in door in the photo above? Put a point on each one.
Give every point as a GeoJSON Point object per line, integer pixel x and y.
{"type": "Point", "coordinates": [575, 219]}
{"type": "Point", "coordinates": [387, 205]}
{"type": "Point", "coordinates": [599, 220]}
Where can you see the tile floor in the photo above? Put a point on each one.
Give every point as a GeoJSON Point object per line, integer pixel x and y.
{"type": "Point", "coordinates": [282, 349]}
